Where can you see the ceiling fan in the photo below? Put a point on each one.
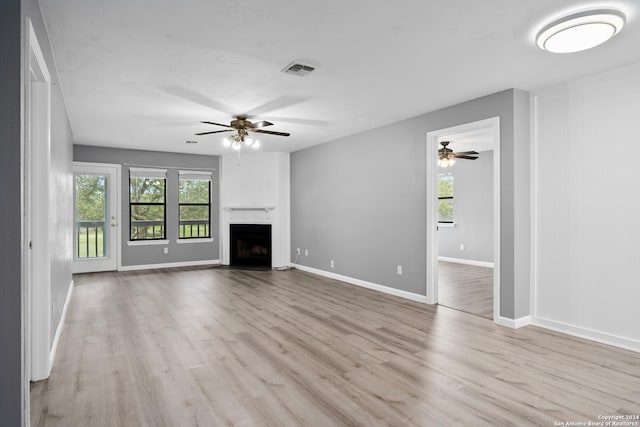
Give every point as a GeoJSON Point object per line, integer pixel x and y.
{"type": "Point", "coordinates": [446, 156]}
{"type": "Point", "coordinates": [242, 126]}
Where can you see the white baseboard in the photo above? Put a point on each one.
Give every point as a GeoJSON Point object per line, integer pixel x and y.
{"type": "Point", "coordinates": [362, 283]}
{"type": "Point", "coordinates": [513, 323]}
{"type": "Point", "coordinates": [590, 334]}
{"type": "Point", "coordinates": [169, 265]}
{"type": "Point", "coordinates": [466, 261]}
{"type": "Point", "coordinates": [56, 337]}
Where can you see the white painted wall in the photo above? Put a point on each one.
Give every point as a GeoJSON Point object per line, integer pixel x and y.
{"type": "Point", "coordinates": [257, 180]}
{"type": "Point", "coordinates": [587, 205]}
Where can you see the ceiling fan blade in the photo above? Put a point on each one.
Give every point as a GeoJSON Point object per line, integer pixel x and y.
{"type": "Point", "coordinates": [270, 132]}
{"type": "Point", "coordinates": [465, 157]}
{"type": "Point", "coordinates": [466, 153]}
{"type": "Point", "coordinates": [215, 131]}
{"type": "Point", "coordinates": [217, 124]}
{"type": "Point", "coordinates": [261, 124]}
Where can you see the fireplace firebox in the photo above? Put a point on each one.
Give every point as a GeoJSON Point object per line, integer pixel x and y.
{"type": "Point", "coordinates": [250, 245]}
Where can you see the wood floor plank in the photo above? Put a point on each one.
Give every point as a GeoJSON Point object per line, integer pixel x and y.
{"type": "Point", "coordinates": [214, 346]}
{"type": "Point", "coordinates": [468, 288]}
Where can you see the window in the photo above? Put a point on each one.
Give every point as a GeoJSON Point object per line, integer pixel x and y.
{"type": "Point", "coordinates": [445, 198]}
{"type": "Point", "coordinates": [91, 214]}
{"type": "Point", "coordinates": [194, 204]}
{"type": "Point", "coordinates": [147, 207]}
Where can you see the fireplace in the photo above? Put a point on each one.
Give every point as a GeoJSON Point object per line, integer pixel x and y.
{"type": "Point", "coordinates": [250, 245]}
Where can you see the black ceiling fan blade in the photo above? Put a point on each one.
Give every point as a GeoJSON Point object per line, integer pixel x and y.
{"type": "Point", "coordinates": [465, 157]}
{"type": "Point", "coordinates": [216, 124]}
{"type": "Point", "coordinates": [261, 124]}
{"type": "Point", "coordinates": [215, 131]}
{"type": "Point", "coordinates": [270, 132]}
{"type": "Point", "coordinates": [467, 153]}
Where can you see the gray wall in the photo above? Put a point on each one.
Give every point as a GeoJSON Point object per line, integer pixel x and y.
{"type": "Point", "coordinates": [153, 254]}
{"type": "Point", "coordinates": [12, 17]}
{"type": "Point", "coordinates": [61, 205]}
{"type": "Point", "coordinates": [361, 200]}
{"type": "Point", "coordinates": [473, 211]}
{"type": "Point", "coordinates": [10, 249]}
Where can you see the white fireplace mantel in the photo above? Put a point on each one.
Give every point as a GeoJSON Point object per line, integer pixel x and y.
{"type": "Point", "coordinates": [249, 208]}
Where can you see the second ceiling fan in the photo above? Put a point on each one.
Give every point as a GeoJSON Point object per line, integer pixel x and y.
{"type": "Point", "coordinates": [446, 156]}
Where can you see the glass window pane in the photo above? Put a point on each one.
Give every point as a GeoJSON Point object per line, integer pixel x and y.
{"type": "Point", "coordinates": [445, 210]}
{"type": "Point", "coordinates": [91, 205]}
{"type": "Point", "coordinates": [193, 191]}
{"type": "Point", "coordinates": [147, 222]}
{"type": "Point", "coordinates": [147, 190]}
{"type": "Point", "coordinates": [445, 185]}
{"type": "Point", "coordinates": [194, 221]}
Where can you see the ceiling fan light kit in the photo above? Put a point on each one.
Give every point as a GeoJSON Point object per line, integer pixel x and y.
{"type": "Point", "coordinates": [580, 30]}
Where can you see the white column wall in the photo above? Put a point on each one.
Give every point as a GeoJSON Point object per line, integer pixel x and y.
{"type": "Point", "coordinates": [255, 180]}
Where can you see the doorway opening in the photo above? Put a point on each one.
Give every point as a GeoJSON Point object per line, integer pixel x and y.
{"type": "Point", "coordinates": [463, 220]}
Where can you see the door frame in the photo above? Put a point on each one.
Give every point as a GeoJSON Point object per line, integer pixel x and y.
{"type": "Point", "coordinates": [36, 226]}
{"type": "Point", "coordinates": [92, 167]}
{"type": "Point", "coordinates": [493, 124]}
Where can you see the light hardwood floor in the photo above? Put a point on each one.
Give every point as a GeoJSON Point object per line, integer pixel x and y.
{"type": "Point", "coordinates": [466, 287]}
{"type": "Point", "coordinates": [212, 346]}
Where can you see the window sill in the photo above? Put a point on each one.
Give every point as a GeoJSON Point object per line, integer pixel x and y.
{"type": "Point", "coordinates": [147, 242]}
{"type": "Point", "coordinates": [197, 240]}
{"type": "Point", "coordinates": [446, 225]}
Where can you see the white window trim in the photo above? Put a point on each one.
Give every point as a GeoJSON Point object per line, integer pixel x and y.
{"type": "Point", "coordinates": [195, 240]}
{"type": "Point", "coordinates": [447, 224]}
{"type": "Point", "coordinates": [147, 242]}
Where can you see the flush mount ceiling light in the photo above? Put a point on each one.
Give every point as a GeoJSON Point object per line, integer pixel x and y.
{"type": "Point", "coordinates": [580, 30]}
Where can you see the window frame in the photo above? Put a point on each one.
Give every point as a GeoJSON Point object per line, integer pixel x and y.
{"type": "Point", "coordinates": [202, 176]}
{"type": "Point", "coordinates": [152, 174]}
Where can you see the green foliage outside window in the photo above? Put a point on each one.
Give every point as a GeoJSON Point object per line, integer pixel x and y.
{"type": "Point", "coordinates": [445, 198]}
{"type": "Point", "coordinates": [90, 198]}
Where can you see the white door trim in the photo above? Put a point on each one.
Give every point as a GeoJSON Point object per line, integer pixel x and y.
{"type": "Point", "coordinates": [432, 208]}
{"type": "Point", "coordinates": [114, 203]}
{"type": "Point", "coordinates": [36, 245]}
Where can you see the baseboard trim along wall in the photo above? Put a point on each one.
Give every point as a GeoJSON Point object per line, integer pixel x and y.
{"type": "Point", "coordinates": [513, 323]}
{"type": "Point", "coordinates": [168, 265]}
{"type": "Point", "coordinates": [56, 337]}
{"type": "Point", "coordinates": [363, 283]}
{"type": "Point", "coordinates": [590, 334]}
{"type": "Point", "coordinates": [466, 261]}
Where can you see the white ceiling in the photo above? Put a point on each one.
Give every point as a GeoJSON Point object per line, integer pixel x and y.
{"type": "Point", "coordinates": [143, 73]}
{"type": "Point", "coordinates": [474, 140]}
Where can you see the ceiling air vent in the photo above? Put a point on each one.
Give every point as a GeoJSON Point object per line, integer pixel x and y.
{"type": "Point", "coordinates": [298, 69]}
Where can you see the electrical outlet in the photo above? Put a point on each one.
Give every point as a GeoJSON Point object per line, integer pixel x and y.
{"type": "Point", "coordinates": [166, 251]}
{"type": "Point", "coordinates": [306, 252]}
{"type": "Point", "coordinates": [399, 270]}
{"type": "Point", "coordinates": [462, 246]}
{"type": "Point", "coordinates": [332, 264]}
{"type": "Point", "coordinates": [298, 251]}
